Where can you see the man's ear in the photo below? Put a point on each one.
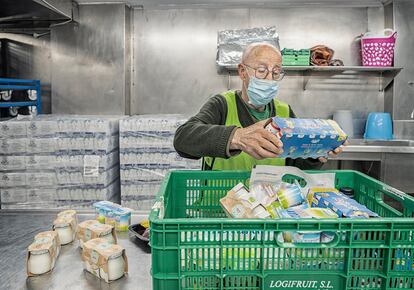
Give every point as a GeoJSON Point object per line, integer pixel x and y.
{"type": "Point", "coordinates": [242, 72]}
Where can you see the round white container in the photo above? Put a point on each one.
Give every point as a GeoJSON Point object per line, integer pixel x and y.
{"type": "Point", "coordinates": [116, 266]}
{"type": "Point", "coordinates": [65, 233]}
{"type": "Point", "coordinates": [345, 120]}
{"type": "Point", "coordinates": [39, 262]}
{"type": "Point", "coordinates": [40, 237]}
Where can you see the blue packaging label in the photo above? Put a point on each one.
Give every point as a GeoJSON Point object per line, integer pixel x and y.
{"type": "Point", "coordinates": [308, 138]}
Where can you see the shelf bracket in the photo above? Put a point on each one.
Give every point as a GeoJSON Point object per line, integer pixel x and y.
{"type": "Point", "coordinates": [306, 77]}
{"type": "Point", "coordinates": [386, 78]}
{"type": "Point", "coordinates": [380, 82]}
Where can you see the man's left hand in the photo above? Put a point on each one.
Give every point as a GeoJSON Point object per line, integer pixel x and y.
{"type": "Point", "coordinates": [333, 153]}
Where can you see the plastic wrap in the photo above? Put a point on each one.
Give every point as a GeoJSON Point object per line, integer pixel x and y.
{"type": "Point", "coordinates": [147, 154]}
{"type": "Point", "coordinates": [231, 43]}
{"type": "Point", "coordinates": [59, 161]}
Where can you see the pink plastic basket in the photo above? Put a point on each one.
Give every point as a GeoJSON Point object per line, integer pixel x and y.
{"type": "Point", "coordinates": [378, 51]}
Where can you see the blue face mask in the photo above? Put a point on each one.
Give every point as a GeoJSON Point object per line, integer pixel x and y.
{"type": "Point", "coordinates": [261, 92]}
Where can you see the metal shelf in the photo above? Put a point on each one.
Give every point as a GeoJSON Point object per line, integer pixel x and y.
{"type": "Point", "coordinates": [385, 74]}
{"type": "Point", "coordinates": [34, 16]}
{"type": "Point", "coordinates": [21, 84]}
{"type": "Point", "coordinates": [171, 4]}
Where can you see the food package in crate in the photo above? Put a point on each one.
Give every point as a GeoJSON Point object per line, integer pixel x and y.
{"type": "Point", "coordinates": [233, 257]}
{"type": "Point", "coordinates": [307, 138]}
{"type": "Point", "coordinates": [42, 253]}
{"type": "Point", "coordinates": [304, 211]}
{"type": "Point", "coordinates": [240, 203]}
{"type": "Point", "coordinates": [105, 260]}
{"type": "Point", "coordinates": [341, 204]}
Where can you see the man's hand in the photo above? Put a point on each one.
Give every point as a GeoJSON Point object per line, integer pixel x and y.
{"type": "Point", "coordinates": [334, 153]}
{"type": "Point", "coordinates": [256, 141]}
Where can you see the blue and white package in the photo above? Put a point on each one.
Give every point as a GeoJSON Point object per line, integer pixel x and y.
{"type": "Point", "coordinates": [290, 195]}
{"type": "Point", "coordinates": [342, 205]}
{"type": "Point", "coordinates": [307, 138]}
{"type": "Point", "coordinates": [111, 213]}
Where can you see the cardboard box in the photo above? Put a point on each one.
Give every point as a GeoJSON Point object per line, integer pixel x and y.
{"type": "Point", "coordinates": [104, 260]}
{"type": "Point", "coordinates": [341, 204]}
{"type": "Point", "coordinates": [92, 229]}
{"type": "Point", "coordinates": [42, 253]}
{"type": "Point", "coordinates": [240, 203]}
{"type": "Point", "coordinates": [307, 138]}
{"type": "Point", "coordinates": [65, 226]}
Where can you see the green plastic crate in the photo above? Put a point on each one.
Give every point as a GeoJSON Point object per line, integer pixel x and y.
{"type": "Point", "coordinates": [194, 246]}
{"type": "Point", "coordinates": [291, 57]}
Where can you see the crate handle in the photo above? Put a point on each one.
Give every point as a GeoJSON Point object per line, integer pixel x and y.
{"type": "Point", "coordinates": [405, 200]}
{"type": "Point", "coordinates": [158, 208]}
{"type": "Point", "coordinates": [329, 244]}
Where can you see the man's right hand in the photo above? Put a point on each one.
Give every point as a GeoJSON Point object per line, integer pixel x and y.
{"type": "Point", "coordinates": [256, 141]}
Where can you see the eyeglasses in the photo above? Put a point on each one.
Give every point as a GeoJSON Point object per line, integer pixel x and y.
{"type": "Point", "coordinates": [262, 72]}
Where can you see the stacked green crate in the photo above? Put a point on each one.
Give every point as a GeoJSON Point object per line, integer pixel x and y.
{"type": "Point", "coordinates": [291, 57]}
{"type": "Point", "coordinates": [195, 246]}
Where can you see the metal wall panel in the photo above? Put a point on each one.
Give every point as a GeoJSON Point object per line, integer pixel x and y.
{"type": "Point", "coordinates": [398, 171]}
{"type": "Point", "coordinates": [174, 58]}
{"type": "Point", "coordinates": [404, 83]}
{"type": "Point", "coordinates": [128, 58]}
{"type": "Point", "coordinates": [88, 62]}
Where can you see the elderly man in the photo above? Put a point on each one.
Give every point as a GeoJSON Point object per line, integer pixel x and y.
{"type": "Point", "coordinates": [228, 132]}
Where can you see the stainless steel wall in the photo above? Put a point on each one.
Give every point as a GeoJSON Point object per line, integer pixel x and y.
{"type": "Point", "coordinates": [403, 95]}
{"type": "Point", "coordinates": [89, 62]}
{"type": "Point", "coordinates": [174, 57]}
{"type": "Point", "coordinates": [29, 58]}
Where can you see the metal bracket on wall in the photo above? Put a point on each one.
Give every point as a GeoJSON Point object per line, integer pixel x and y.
{"type": "Point", "coordinates": [306, 77]}
{"type": "Point", "coordinates": [386, 77]}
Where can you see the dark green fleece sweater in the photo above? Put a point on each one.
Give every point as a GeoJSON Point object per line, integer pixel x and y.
{"type": "Point", "coordinates": [205, 134]}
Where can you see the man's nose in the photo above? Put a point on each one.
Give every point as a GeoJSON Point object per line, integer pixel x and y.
{"type": "Point", "coordinates": [269, 76]}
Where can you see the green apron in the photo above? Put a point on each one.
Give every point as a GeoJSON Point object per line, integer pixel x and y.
{"type": "Point", "coordinates": [243, 161]}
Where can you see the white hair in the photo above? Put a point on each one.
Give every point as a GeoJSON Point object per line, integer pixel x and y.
{"type": "Point", "coordinates": [254, 46]}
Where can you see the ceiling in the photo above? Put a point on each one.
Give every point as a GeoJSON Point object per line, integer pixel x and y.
{"type": "Point", "coordinates": [165, 4]}
{"type": "Point", "coordinates": [29, 16]}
